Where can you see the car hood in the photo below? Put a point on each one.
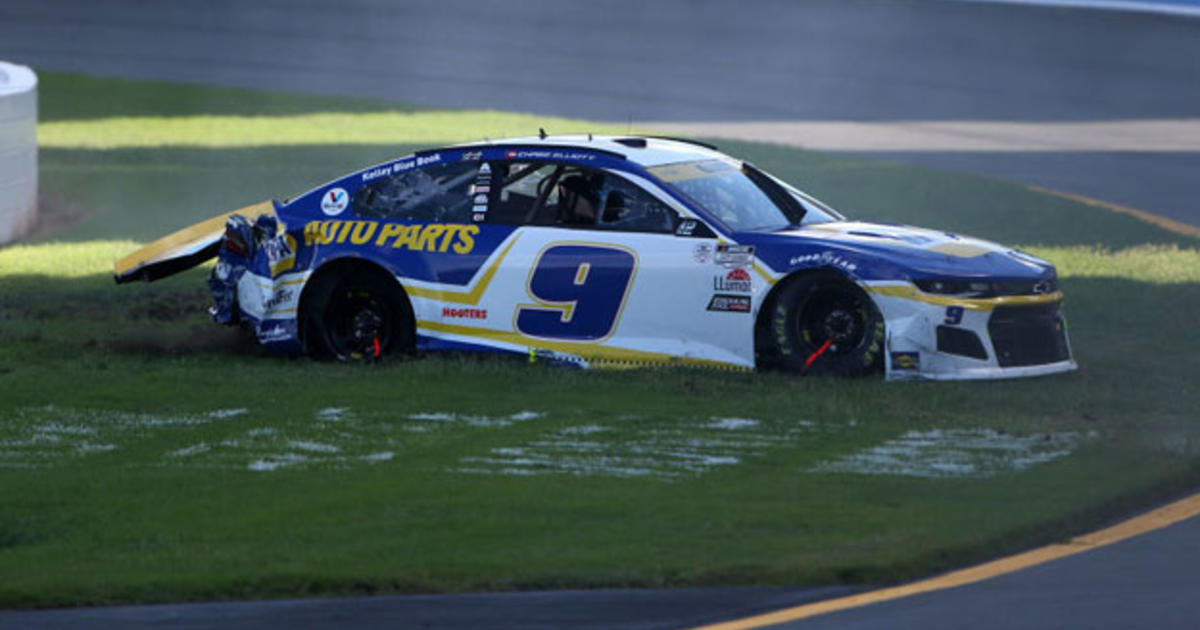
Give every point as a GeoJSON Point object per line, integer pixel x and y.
{"type": "Point", "coordinates": [901, 249]}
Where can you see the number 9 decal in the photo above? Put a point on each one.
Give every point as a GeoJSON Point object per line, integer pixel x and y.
{"type": "Point", "coordinates": [580, 291]}
{"type": "Point", "coordinates": [954, 315]}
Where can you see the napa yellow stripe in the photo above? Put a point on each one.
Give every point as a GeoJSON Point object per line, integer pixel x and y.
{"type": "Point", "coordinates": [588, 351]}
{"type": "Point", "coordinates": [765, 275]}
{"type": "Point", "coordinates": [910, 292]}
{"type": "Point", "coordinates": [472, 296]}
{"type": "Point", "coordinates": [960, 250]}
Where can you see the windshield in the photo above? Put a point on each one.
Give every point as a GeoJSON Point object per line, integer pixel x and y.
{"type": "Point", "coordinates": [744, 199]}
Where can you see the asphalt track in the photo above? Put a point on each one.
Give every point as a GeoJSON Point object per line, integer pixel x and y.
{"type": "Point", "coordinates": [695, 62]}
{"type": "Point", "coordinates": [580, 610]}
{"type": "Point", "coordinates": [889, 63]}
{"type": "Point", "coordinates": [1119, 587]}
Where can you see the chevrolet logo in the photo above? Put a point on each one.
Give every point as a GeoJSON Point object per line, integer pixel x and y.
{"type": "Point", "coordinates": [1042, 287]}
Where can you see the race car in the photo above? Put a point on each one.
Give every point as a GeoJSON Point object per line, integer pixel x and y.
{"type": "Point", "coordinates": [615, 251]}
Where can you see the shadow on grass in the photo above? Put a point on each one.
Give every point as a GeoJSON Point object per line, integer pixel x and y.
{"type": "Point", "coordinates": [1134, 341]}
{"type": "Point", "coordinates": [1134, 393]}
{"type": "Point", "coordinates": [143, 194]}
{"type": "Point", "coordinates": [975, 205]}
{"type": "Point", "coordinates": [91, 313]}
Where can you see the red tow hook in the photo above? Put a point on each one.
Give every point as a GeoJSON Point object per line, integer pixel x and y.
{"type": "Point", "coordinates": [813, 357]}
{"type": "Point", "coordinates": [377, 350]}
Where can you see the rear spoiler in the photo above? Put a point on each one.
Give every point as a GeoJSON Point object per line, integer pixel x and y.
{"type": "Point", "coordinates": [181, 250]}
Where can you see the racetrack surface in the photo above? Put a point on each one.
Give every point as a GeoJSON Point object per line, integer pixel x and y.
{"type": "Point", "coordinates": [1145, 582]}
{"type": "Point", "coordinates": [695, 63]}
{"type": "Point", "coordinates": [649, 609]}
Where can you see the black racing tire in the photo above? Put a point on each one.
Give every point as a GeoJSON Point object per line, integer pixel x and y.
{"type": "Point", "coordinates": [357, 316]}
{"type": "Point", "coordinates": [825, 306]}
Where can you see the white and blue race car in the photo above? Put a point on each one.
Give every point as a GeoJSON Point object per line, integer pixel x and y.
{"type": "Point", "coordinates": [603, 251]}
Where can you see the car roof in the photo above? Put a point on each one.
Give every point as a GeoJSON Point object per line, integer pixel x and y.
{"type": "Point", "coordinates": [647, 151]}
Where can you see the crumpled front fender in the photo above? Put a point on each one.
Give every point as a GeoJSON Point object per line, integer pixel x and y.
{"type": "Point", "coordinates": [181, 250]}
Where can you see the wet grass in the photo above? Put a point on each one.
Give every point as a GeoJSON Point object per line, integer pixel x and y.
{"type": "Point", "coordinates": [122, 484]}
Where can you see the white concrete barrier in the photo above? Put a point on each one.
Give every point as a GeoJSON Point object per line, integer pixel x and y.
{"type": "Point", "coordinates": [18, 151]}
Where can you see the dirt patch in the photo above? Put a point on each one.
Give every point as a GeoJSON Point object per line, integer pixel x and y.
{"type": "Point", "coordinates": [200, 339]}
{"type": "Point", "coordinates": [167, 307]}
{"type": "Point", "coordinates": [54, 214]}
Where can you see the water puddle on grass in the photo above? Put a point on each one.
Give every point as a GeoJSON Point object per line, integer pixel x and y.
{"type": "Point", "coordinates": [633, 447]}
{"type": "Point", "coordinates": [624, 446]}
{"type": "Point", "coordinates": [953, 453]}
{"type": "Point", "coordinates": [340, 437]}
{"type": "Point", "coordinates": [38, 437]}
{"type": "Point", "coordinates": [476, 420]}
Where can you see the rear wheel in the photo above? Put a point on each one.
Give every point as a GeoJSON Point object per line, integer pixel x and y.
{"type": "Point", "coordinates": [358, 317]}
{"type": "Point", "coordinates": [822, 323]}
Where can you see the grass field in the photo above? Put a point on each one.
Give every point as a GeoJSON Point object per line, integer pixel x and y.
{"type": "Point", "coordinates": [147, 455]}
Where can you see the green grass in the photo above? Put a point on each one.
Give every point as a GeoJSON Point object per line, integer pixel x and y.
{"type": "Point", "coordinates": [382, 128]}
{"type": "Point", "coordinates": [137, 493]}
{"type": "Point", "coordinates": [83, 97]}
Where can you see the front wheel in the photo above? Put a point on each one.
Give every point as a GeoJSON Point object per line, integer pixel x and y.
{"type": "Point", "coordinates": [824, 324]}
{"type": "Point", "coordinates": [359, 317]}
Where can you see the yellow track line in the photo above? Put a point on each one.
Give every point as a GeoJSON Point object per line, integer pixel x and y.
{"type": "Point", "coordinates": [1170, 225]}
{"type": "Point", "coordinates": [1150, 521]}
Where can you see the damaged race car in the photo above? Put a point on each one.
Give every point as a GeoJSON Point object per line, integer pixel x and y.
{"type": "Point", "coordinates": [610, 251]}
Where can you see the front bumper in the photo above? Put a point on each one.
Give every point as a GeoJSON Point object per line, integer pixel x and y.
{"type": "Point", "coordinates": [946, 338]}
